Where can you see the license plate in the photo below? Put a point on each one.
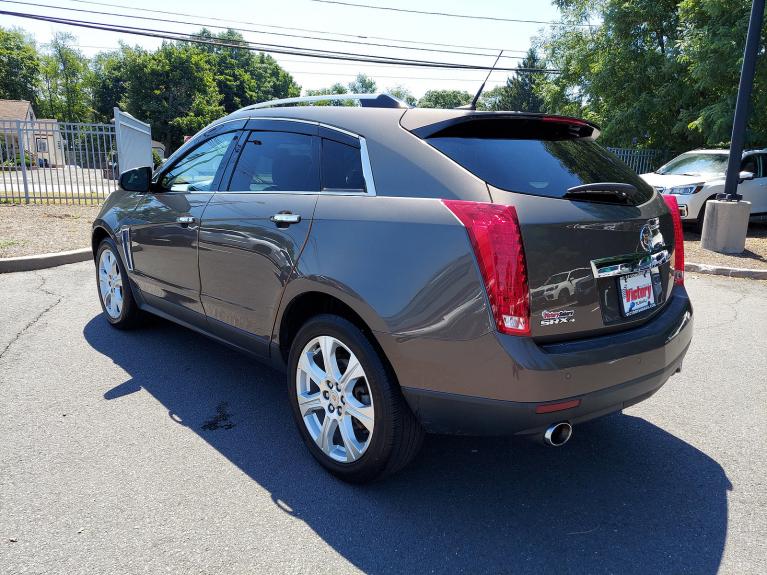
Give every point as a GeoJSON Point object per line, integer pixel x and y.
{"type": "Point", "coordinates": [636, 292]}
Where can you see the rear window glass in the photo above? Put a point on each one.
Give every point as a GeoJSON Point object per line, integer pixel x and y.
{"type": "Point", "coordinates": [545, 167]}
{"type": "Point", "coordinates": [341, 167]}
{"type": "Point", "coordinates": [277, 162]}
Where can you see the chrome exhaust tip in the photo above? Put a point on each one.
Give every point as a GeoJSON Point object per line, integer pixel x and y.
{"type": "Point", "coordinates": [558, 434]}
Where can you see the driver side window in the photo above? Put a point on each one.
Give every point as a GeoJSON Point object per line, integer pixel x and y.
{"type": "Point", "coordinates": [197, 170]}
{"type": "Point", "coordinates": [750, 164]}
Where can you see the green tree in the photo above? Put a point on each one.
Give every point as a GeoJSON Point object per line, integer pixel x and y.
{"type": "Point", "coordinates": [521, 91]}
{"type": "Point", "coordinates": [242, 76]}
{"type": "Point", "coordinates": [173, 89]}
{"type": "Point", "coordinates": [444, 99]}
{"type": "Point", "coordinates": [625, 73]}
{"type": "Point", "coordinates": [712, 38]}
{"type": "Point", "coordinates": [362, 84]}
{"type": "Point", "coordinates": [19, 66]}
{"type": "Point", "coordinates": [403, 94]}
{"type": "Point", "coordinates": [336, 88]}
{"type": "Point", "coordinates": [65, 80]}
{"type": "Point", "coordinates": [108, 81]}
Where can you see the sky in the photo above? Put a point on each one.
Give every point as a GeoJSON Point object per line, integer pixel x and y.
{"type": "Point", "coordinates": [482, 37]}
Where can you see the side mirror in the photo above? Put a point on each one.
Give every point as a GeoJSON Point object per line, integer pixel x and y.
{"type": "Point", "coordinates": [743, 176]}
{"type": "Point", "coordinates": [136, 180]}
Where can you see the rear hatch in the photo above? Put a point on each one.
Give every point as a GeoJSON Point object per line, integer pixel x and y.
{"type": "Point", "coordinates": [598, 240]}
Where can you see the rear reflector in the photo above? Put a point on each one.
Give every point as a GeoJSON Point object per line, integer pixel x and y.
{"type": "Point", "coordinates": [562, 405]}
{"type": "Point", "coordinates": [497, 241]}
{"type": "Point", "coordinates": [673, 207]}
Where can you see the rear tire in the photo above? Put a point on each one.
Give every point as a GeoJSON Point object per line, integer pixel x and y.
{"type": "Point", "coordinates": [701, 217]}
{"type": "Point", "coordinates": [358, 427]}
{"type": "Point", "coordinates": [114, 289]}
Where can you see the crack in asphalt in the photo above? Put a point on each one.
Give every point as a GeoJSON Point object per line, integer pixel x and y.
{"type": "Point", "coordinates": [41, 288]}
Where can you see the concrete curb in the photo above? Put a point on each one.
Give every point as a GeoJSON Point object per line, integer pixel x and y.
{"type": "Point", "coordinates": [42, 261]}
{"type": "Point", "coordinates": [723, 271]}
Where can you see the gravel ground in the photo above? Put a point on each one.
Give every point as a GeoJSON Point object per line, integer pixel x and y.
{"type": "Point", "coordinates": [36, 229]}
{"type": "Point", "coordinates": [755, 256]}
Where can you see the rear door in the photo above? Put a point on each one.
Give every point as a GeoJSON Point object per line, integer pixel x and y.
{"type": "Point", "coordinates": [614, 241]}
{"type": "Point", "coordinates": [253, 231]}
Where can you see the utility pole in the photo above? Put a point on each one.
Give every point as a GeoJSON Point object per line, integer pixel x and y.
{"type": "Point", "coordinates": [743, 102]}
{"type": "Point", "coordinates": [725, 224]}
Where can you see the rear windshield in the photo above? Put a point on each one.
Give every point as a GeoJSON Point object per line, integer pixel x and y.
{"type": "Point", "coordinates": [541, 167]}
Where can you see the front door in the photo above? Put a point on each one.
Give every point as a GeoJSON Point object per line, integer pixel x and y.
{"type": "Point", "coordinates": [166, 222]}
{"type": "Point", "coordinates": [253, 232]}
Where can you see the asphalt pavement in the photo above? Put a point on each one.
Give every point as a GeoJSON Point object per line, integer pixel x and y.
{"type": "Point", "coordinates": [160, 451]}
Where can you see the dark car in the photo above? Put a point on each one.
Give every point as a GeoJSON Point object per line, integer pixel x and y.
{"type": "Point", "coordinates": [384, 256]}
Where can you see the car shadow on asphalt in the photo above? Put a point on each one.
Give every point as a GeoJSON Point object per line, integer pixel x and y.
{"type": "Point", "coordinates": [624, 496]}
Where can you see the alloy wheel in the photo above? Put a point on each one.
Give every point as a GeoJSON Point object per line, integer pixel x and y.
{"type": "Point", "coordinates": [110, 284]}
{"type": "Point", "coordinates": [334, 399]}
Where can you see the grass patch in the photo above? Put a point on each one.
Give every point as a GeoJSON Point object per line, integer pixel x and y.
{"type": "Point", "coordinates": [9, 243]}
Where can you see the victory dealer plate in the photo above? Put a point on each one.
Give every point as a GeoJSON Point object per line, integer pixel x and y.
{"type": "Point", "coordinates": [636, 292]}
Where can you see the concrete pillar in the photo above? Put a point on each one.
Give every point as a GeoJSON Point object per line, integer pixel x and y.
{"type": "Point", "coordinates": [725, 226]}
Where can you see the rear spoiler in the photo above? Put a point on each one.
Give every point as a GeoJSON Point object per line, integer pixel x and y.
{"type": "Point", "coordinates": [426, 123]}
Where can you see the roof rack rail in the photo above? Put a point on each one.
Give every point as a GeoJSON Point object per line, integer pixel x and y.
{"type": "Point", "coordinates": [365, 101]}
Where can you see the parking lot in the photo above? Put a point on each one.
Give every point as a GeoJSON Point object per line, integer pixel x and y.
{"type": "Point", "coordinates": [160, 451]}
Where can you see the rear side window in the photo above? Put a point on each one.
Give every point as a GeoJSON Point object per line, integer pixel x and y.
{"type": "Point", "coordinates": [542, 167]}
{"type": "Point", "coordinates": [277, 162]}
{"type": "Point", "coordinates": [341, 167]}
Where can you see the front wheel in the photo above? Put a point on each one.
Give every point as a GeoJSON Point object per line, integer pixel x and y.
{"type": "Point", "coordinates": [114, 288]}
{"type": "Point", "coordinates": [348, 407]}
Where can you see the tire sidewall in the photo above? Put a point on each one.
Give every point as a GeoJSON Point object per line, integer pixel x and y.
{"type": "Point", "coordinates": [379, 382]}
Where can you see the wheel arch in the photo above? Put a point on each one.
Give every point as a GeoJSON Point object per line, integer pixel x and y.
{"type": "Point", "coordinates": [99, 234]}
{"type": "Point", "coordinates": [301, 307]}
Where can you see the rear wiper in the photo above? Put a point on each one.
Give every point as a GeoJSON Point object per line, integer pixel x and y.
{"type": "Point", "coordinates": [607, 192]}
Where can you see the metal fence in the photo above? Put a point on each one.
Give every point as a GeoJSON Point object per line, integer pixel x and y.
{"type": "Point", "coordinates": [642, 161]}
{"type": "Point", "coordinates": [53, 162]}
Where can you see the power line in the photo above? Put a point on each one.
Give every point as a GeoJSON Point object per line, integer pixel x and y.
{"type": "Point", "coordinates": [374, 75]}
{"type": "Point", "coordinates": [451, 14]}
{"type": "Point", "coordinates": [262, 47]}
{"type": "Point", "coordinates": [377, 77]}
{"type": "Point", "coordinates": [346, 35]}
{"type": "Point", "coordinates": [207, 25]}
{"type": "Point", "coordinates": [313, 61]}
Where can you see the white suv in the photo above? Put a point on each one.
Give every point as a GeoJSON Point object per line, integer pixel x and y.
{"type": "Point", "coordinates": [698, 176]}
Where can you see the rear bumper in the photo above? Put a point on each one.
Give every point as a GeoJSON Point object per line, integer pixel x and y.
{"type": "Point", "coordinates": [606, 373]}
{"type": "Point", "coordinates": [464, 415]}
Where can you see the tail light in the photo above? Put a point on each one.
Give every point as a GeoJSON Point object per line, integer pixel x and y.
{"type": "Point", "coordinates": [495, 236]}
{"type": "Point", "coordinates": [678, 239]}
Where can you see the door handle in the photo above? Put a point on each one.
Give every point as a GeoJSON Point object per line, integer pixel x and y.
{"type": "Point", "coordinates": [285, 218]}
{"type": "Point", "coordinates": [185, 220]}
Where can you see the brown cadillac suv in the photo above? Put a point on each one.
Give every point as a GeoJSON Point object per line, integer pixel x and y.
{"type": "Point", "coordinates": [411, 270]}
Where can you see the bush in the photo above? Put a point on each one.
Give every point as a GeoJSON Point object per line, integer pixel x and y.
{"type": "Point", "coordinates": [17, 162]}
{"type": "Point", "coordinates": [156, 159]}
